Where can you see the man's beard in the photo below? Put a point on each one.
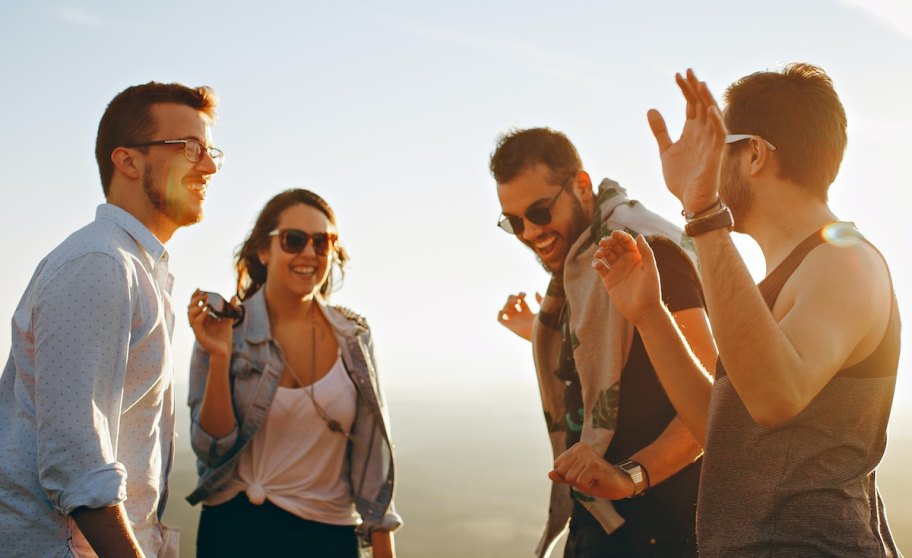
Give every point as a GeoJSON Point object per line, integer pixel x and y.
{"type": "Point", "coordinates": [579, 223]}
{"type": "Point", "coordinates": [171, 209]}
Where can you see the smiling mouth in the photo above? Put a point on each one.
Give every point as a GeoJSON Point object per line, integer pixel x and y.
{"type": "Point", "coordinates": [305, 270]}
{"type": "Point", "coordinates": [545, 244]}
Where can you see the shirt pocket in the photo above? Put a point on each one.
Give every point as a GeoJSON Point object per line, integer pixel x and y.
{"type": "Point", "coordinates": [245, 375]}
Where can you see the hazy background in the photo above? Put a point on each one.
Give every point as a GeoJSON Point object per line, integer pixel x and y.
{"type": "Point", "coordinates": [390, 110]}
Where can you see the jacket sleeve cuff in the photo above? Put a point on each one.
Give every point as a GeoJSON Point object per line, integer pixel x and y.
{"type": "Point", "coordinates": [390, 522]}
{"type": "Point", "coordinates": [101, 488]}
{"type": "Point", "coordinates": [209, 449]}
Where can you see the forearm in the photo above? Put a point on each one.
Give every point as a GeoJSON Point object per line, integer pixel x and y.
{"type": "Point", "coordinates": [757, 355]}
{"type": "Point", "coordinates": [216, 415]}
{"type": "Point", "coordinates": [108, 530]}
{"type": "Point", "coordinates": [686, 382]}
{"type": "Point", "coordinates": [673, 450]}
{"type": "Point", "coordinates": [382, 544]}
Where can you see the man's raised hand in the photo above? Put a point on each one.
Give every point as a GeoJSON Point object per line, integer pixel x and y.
{"type": "Point", "coordinates": [691, 166]}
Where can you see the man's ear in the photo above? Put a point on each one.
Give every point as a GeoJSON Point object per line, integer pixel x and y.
{"type": "Point", "coordinates": [760, 156]}
{"type": "Point", "coordinates": [125, 162]}
{"type": "Point", "coordinates": [582, 186]}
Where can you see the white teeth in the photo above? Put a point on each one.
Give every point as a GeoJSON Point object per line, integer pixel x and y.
{"type": "Point", "coordinates": [304, 270]}
{"type": "Point", "coordinates": [545, 242]}
{"type": "Point", "coordinates": [196, 187]}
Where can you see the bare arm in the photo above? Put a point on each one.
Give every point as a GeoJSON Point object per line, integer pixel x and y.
{"type": "Point", "coordinates": [382, 544]}
{"type": "Point", "coordinates": [673, 450]}
{"type": "Point", "coordinates": [108, 531]}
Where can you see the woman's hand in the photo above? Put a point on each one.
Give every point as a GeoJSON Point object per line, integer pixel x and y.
{"type": "Point", "coordinates": [586, 471]}
{"type": "Point", "coordinates": [516, 315]}
{"type": "Point", "coordinates": [629, 274]}
{"type": "Point", "coordinates": [692, 165]}
{"type": "Point", "coordinates": [213, 334]}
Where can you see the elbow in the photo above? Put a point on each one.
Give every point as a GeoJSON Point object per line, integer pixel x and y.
{"type": "Point", "coordinates": [772, 413]}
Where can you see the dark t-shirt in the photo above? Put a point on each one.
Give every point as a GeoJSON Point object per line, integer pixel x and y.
{"type": "Point", "coordinates": [644, 410]}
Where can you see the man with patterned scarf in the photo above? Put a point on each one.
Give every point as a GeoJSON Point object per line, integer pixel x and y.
{"type": "Point", "coordinates": [602, 401]}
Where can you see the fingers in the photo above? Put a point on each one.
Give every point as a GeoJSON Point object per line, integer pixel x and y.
{"type": "Point", "coordinates": [515, 305]}
{"type": "Point", "coordinates": [538, 298]}
{"type": "Point", "coordinates": [646, 251]}
{"type": "Point", "coordinates": [659, 129]}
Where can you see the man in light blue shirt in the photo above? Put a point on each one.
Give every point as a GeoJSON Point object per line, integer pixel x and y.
{"type": "Point", "coordinates": [87, 395]}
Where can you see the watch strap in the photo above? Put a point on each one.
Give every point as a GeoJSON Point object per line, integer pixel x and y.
{"type": "Point", "coordinates": [637, 474]}
{"type": "Point", "coordinates": [721, 219]}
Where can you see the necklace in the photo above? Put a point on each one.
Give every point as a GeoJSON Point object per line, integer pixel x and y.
{"type": "Point", "coordinates": [331, 423]}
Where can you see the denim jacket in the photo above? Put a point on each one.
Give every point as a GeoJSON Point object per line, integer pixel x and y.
{"type": "Point", "coordinates": [256, 368]}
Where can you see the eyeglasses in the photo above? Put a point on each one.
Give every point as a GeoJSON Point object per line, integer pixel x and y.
{"type": "Point", "coordinates": [540, 215]}
{"type": "Point", "coordinates": [294, 241]}
{"type": "Point", "coordinates": [193, 150]}
{"type": "Point", "coordinates": [732, 138]}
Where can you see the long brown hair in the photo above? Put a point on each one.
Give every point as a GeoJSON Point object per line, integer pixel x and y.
{"type": "Point", "coordinates": [251, 273]}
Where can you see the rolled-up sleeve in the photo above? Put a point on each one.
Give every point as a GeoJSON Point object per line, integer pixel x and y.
{"type": "Point", "coordinates": [211, 451]}
{"type": "Point", "coordinates": [82, 327]}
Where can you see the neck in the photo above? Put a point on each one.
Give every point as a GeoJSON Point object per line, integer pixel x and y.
{"type": "Point", "coordinates": [158, 224]}
{"type": "Point", "coordinates": [286, 307]}
{"type": "Point", "coordinates": [783, 217]}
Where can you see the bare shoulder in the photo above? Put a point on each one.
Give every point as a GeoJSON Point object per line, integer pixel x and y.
{"type": "Point", "coordinates": [843, 291]}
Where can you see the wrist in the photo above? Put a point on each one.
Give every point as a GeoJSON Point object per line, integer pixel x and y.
{"type": "Point", "coordinates": [637, 474]}
{"type": "Point", "coordinates": [701, 210]}
{"type": "Point", "coordinates": [719, 219]}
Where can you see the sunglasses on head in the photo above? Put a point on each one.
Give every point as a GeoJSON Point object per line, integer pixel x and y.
{"type": "Point", "coordinates": [539, 215]}
{"type": "Point", "coordinates": [294, 241]}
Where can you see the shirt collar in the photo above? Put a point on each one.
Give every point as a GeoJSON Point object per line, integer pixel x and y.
{"type": "Point", "coordinates": [134, 228]}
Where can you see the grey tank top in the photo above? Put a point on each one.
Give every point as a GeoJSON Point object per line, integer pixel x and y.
{"type": "Point", "coordinates": [805, 487]}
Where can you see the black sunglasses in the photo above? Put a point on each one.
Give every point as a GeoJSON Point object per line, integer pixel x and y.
{"type": "Point", "coordinates": [539, 215]}
{"type": "Point", "coordinates": [218, 307]}
{"type": "Point", "coordinates": [294, 241]}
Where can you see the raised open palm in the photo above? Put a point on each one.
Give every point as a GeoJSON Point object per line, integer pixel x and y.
{"type": "Point", "coordinates": [691, 165]}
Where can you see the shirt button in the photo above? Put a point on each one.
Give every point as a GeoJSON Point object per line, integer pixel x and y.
{"type": "Point", "coordinates": [652, 540]}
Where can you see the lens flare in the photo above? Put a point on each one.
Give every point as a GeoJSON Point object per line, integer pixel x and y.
{"type": "Point", "coordinates": [841, 234]}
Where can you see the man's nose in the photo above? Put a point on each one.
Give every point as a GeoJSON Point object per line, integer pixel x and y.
{"type": "Point", "coordinates": [531, 231]}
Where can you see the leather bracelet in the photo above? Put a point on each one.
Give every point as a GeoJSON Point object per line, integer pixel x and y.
{"type": "Point", "coordinates": [721, 219]}
{"type": "Point", "coordinates": [691, 215]}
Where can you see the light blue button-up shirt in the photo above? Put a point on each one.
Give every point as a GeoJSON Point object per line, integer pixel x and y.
{"type": "Point", "coordinates": [87, 395]}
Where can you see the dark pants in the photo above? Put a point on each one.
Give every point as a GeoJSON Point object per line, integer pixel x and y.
{"type": "Point", "coordinates": [239, 528]}
{"type": "Point", "coordinates": [587, 539]}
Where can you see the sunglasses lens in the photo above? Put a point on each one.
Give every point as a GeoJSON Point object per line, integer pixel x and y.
{"type": "Point", "coordinates": [513, 225]}
{"type": "Point", "coordinates": [539, 215]}
{"type": "Point", "coordinates": [321, 243]}
{"type": "Point", "coordinates": [293, 241]}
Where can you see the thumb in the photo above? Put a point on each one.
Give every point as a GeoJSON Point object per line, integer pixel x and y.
{"type": "Point", "coordinates": [659, 129]}
{"type": "Point", "coordinates": [646, 252]}
{"type": "Point", "coordinates": [538, 297]}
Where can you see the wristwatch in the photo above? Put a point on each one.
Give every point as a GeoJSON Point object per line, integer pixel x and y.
{"type": "Point", "coordinates": [721, 219]}
{"type": "Point", "coordinates": [637, 474]}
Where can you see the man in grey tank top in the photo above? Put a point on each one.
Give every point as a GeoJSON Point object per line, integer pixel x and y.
{"type": "Point", "coordinates": [793, 422]}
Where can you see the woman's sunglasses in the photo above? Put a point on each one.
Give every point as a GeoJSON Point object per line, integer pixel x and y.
{"type": "Point", "coordinates": [294, 241]}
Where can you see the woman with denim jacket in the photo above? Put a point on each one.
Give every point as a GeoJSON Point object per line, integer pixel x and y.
{"type": "Point", "coordinates": [288, 423]}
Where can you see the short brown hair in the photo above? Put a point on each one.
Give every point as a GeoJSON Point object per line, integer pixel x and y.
{"type": "Point", "coordinates": [128, 120]}
{"type": "Point", "coordinates": [251, 273]}
{"type": "Point", "coordinates": [797, 110]}
{"type": "Point", "coordinates": [519, 150]}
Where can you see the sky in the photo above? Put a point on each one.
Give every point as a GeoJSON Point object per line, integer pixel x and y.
{"type": "Point", "coordinates": [390, 111]}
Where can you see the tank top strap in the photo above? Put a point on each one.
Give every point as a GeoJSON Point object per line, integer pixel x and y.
{"type": "Point", "coordinates": [772, 284]}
